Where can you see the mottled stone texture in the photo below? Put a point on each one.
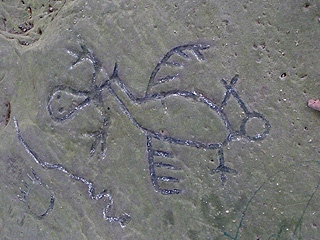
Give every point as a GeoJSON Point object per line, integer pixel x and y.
{"type": "Point", "coordinates": [59, 57]}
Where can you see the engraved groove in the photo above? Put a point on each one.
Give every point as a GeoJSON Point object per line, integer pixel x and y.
{"type": "Point", "coordinates": [122, 219]}
{"type": "Point", "coordinates": [115, 82]}
{"type": "Point", "coordinates": [93, 95]}
{"type": "Point", "coordinates": [35, 180]}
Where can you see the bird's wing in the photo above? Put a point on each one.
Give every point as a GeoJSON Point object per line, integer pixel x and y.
{"type": "Point", "coordinates": [173, 61]}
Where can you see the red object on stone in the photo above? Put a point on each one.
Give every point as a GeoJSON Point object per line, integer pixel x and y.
{"type": "Point", "coordinates": [315, 104]}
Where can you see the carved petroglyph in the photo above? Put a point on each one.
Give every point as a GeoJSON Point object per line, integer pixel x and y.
{"type": "Point", "coordinates": [42, 194]}
{"type": "Point", "coordinates": [78, 99]}
{"type": "Point", "coordinates": [105, 195]}
{"type": "Point", "coordinates": [64, 102]}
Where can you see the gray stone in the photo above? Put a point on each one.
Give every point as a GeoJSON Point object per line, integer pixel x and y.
{"type": "Point", "coordinates": [114, 120]}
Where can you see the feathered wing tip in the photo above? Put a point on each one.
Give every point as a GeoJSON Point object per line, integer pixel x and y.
{"type": "Point", "coordinates": [183, 53]}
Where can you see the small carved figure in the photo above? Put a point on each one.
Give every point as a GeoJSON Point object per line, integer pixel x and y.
{"type": "Point", "coordinates": [105, 195]}
{"type": "Point", "coordinates": [31, 188]}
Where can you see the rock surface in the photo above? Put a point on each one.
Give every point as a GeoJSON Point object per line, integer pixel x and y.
{"type": "Point", "coordinates": [57, 63]}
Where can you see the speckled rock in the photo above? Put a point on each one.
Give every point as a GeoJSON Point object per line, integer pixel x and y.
{"type": "Point", "coordinates": [98, 116]}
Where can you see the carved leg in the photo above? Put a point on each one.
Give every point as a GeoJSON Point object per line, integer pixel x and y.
{"type": "Point", "coordinates": [155, 179]}
{"type": "Point", "coordinates": [222, 168]}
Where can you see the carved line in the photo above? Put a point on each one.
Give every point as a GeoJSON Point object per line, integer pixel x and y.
{"type": "Point", "coordinates": [92, 95]}
{"type": "Point", "coordinates": [35, 180]}
{"type": "Point", "coordinates": [233, 134]}
{"type": "Point", "coordinates": [122, 219]}
{"type": "Point", "coordinates": [95, 94]}
{"type": "Point", "coordinates": [195, 48]}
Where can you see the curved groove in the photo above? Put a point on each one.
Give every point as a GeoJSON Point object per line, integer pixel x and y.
{"type": "Point", "coordinates": [121, 219]}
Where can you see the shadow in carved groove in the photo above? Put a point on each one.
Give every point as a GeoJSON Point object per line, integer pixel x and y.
{"type": "Point", "coordinates": [62, 106]}
{"type": "Point", "coordinates": [116, 87]}
{"type": "Point", "coordinates": [122, 219]}
{"type": "Point", "coordinates": [31, 189]}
